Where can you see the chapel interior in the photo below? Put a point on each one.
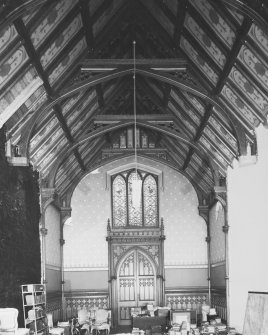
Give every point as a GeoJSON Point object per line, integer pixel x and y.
{"type": "Point", "coordinates": [133, 156]}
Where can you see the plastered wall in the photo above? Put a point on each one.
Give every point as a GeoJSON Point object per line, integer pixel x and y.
{"type": "Point", "coordinates": [247, 217]}
{"type": "Point", "coordinates": [86, 250]}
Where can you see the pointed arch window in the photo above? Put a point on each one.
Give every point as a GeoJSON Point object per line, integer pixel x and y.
{"type": "Point", "coordinates": [127, 210]}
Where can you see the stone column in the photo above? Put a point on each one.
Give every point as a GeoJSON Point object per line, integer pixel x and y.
{"type": "Point", "coordinates": [221, 195]}
{"type": "Point", "coordinates": [225, 229]}
{"type": "Point", "coordinates": [65, 213]}
{"type": "Point", "coordinates": [162, 265]}
{"type": "Point", "coordinates": [46, 196]}
{"type": "Point", "coordinates": [204, 212]}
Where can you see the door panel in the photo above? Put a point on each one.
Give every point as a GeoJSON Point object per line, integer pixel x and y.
{"type": "Point", "coordinates": [136, 284]}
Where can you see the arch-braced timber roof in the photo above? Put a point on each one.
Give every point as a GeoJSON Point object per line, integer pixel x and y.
{"type": "Point", "coordinates": [66, 84]}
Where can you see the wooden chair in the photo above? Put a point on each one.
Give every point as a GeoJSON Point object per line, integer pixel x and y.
{"type": "Point", "coordinates": [102, 321]}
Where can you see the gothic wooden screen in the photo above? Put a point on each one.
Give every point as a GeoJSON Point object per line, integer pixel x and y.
{"type": "Point", "coordinates": [136, 284]}
{"type": "Point", "coordinates": [135, 245]}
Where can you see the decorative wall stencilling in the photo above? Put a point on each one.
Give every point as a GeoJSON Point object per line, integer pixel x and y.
{"type": "Point", "coordinates": [57, 13]}
{"type": "Point", "coordinates": [67, 61]}
{"type": "Point", "coordinates": [11, 64]}
{"type": "Point", "coordinates": [246, 112]}
{"type": "Point", "coordinates": [257, 97]}
{"type": "Point", "coordinates": [205, 41]}
{"type": "Point", "coordinates": [217, 23]}
{"type": "Point", "coordinates": [199, 61]}
{"type": "Point", "coordinates": [61, 40]}
{"type": "Point", "coordinates": [20, 87]}
{"type": "Point", "coordinates": [8, 34]}
{"type": "Point", "coordinates": [256, 66]}
{"type": "Point", "coordinates": [91, 207]}
{"type": "Point", "coordinates": [259, 37]}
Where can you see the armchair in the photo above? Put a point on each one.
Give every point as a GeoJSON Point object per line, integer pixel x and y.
{"type": "Point", "coordinates": [84, 321]}
{"type": "Point", "coordinates": [102, 321]}
{"type": "Point", "coordinates": [9, 322]}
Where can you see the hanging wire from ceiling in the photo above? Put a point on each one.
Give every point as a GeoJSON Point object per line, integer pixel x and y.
{"type": "Point", "coordinates": [137, 182]}
{"type": "Point", "coordinates": [135, 108]}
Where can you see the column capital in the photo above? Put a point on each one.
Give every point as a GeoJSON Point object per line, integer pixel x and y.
{"type": "Point", "coordinates": [43, 231]}
{"type": "Point", "coordinates": [225, 228]}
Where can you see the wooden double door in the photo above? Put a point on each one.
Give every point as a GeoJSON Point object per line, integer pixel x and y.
{"type": "Point", "coordinates": [136, 283]}
{"type": "Point", "coordinates": [136, 270]}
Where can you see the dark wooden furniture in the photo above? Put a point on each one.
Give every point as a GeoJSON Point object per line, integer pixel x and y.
{"type": "Point", "coordinates": [146, 322]}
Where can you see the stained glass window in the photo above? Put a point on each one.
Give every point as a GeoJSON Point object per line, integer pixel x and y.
{"type": "Point", "coordinates": [150, 201]}
{"type": "Point", "coordinates": [134, 199]}
{"type": "Point", "coordinates": [119, 202]}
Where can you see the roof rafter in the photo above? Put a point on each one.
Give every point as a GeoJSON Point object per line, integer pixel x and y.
{"type": "Point", "coordinates": [87, 23]}
{"type": "Point", "coordinates": [36, 62]}
{"type": "Point", "coordinates": [181, 11]}
{"type": "Point", "coordinates": [168, 13]}
{"type": "Point", "coordinates": [257, 10]}
{"type": "Point", "coordinates": [241, 35]}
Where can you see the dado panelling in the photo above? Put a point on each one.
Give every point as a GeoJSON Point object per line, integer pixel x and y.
{"type": "Point", "coordinates": [185, 230]}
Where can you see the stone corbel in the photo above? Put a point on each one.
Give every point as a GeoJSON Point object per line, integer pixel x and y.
{"type": "Point", "coordinates": [47, 196]}
{"type": "Point", "coordinates": [220, 194]}
{"type": "Point", "coordinates": [203, 212]}
{"type": "Point", "coordinates": [65, 213]}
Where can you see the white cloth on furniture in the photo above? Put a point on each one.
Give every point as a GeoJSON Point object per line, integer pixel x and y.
{"type": "Point", "coordinates": [9, 322]}
{"type": "Point", "coordinates": [102, 321]}
{"type": "Point", "coordinates": [53, 330]}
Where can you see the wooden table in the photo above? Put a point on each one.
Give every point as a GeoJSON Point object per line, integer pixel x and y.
{"type": "Point", "coordinates": [146, 322]}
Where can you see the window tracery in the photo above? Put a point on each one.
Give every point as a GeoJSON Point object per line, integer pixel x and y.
{"type": "Point", "coordinates": [126, 213]}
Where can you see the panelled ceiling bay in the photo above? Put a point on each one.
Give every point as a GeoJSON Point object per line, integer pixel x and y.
{"type": "Point", "coordinates": [66, 81]}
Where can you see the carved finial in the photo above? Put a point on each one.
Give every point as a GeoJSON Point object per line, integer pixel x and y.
{"type": "Point", "coordinates": [108, 225]}
{"type": "Point", "coordinates": [162, 227]}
